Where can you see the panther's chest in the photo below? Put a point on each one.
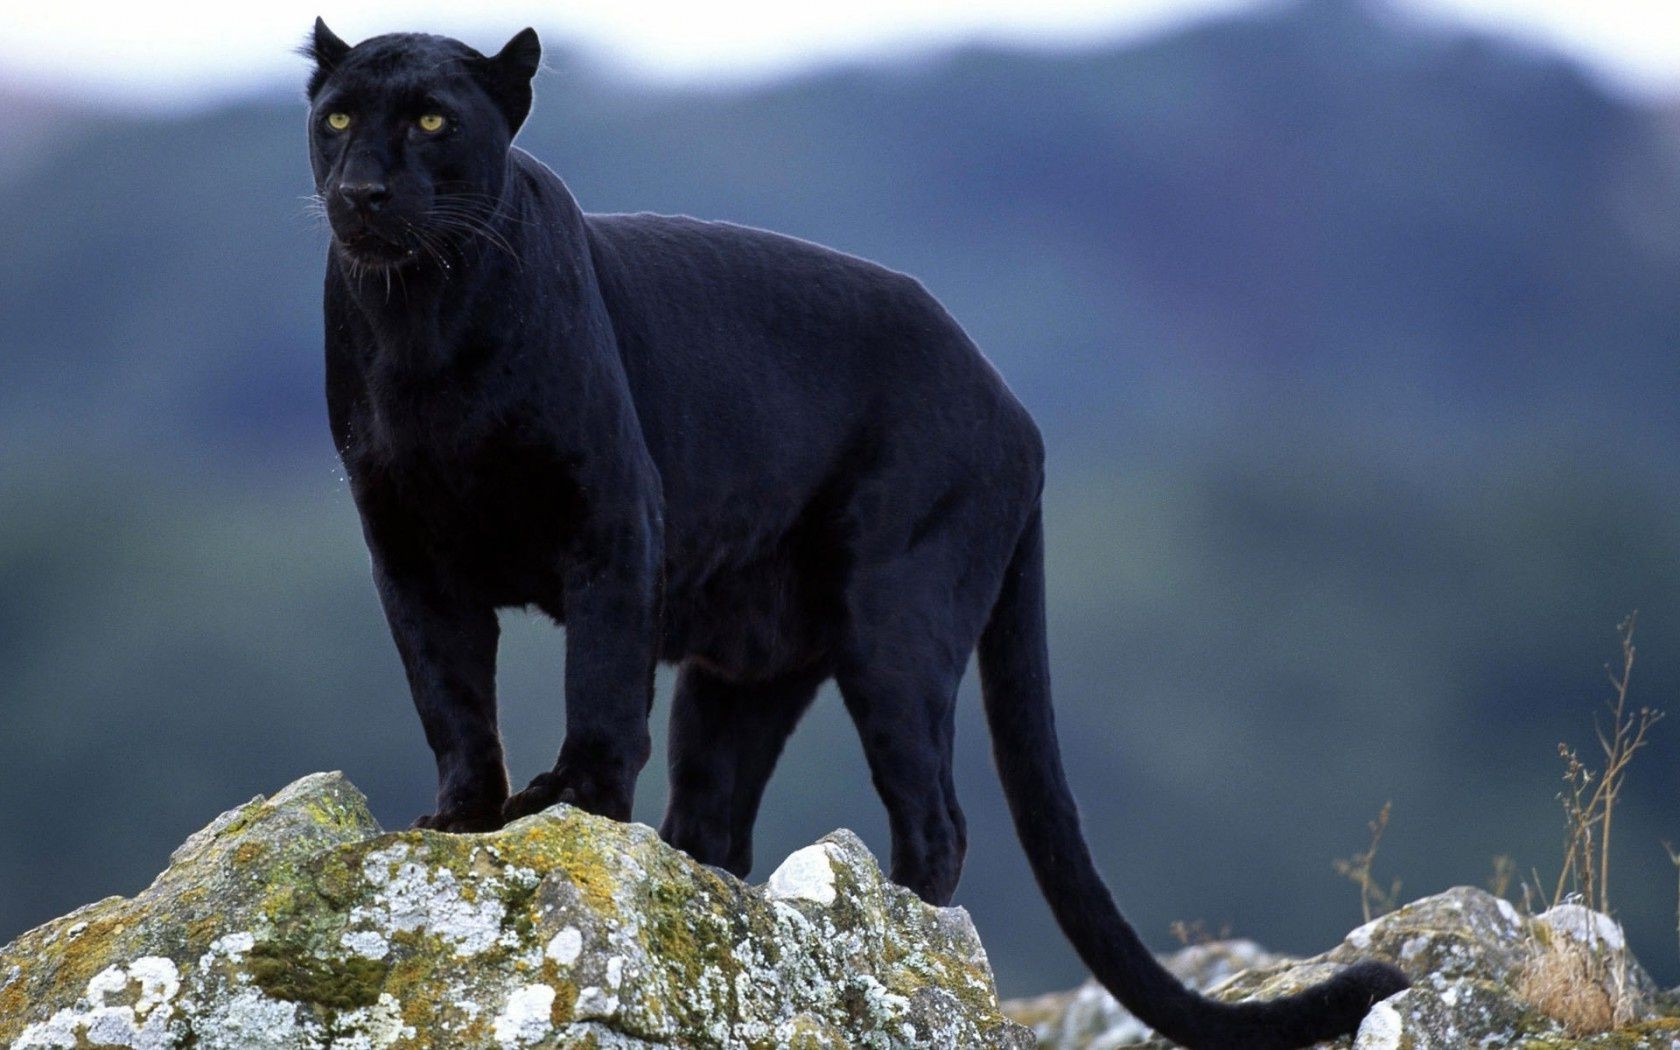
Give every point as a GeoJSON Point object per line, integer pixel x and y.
{"type": "Point", "coordinates": [497, 519]}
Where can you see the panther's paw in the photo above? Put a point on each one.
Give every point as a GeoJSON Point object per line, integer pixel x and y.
{"type": "Point", "coordinates": [544, 791]}
{"type": "Point", "coordinates": [461, 821]}
{"type": "Point", "coordinates": [573, 788]}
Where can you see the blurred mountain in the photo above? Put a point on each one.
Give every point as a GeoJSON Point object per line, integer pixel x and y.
{"type": "Point", "coordinates": [36, 126]}
{"type": "Point", "coordinates": [1326, 194]}
{"type": "Point", "coordinates": [1356, 341]}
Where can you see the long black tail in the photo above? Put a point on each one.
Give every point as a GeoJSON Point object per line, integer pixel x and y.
{"type": "Point", "coordinates": [1015, 678]}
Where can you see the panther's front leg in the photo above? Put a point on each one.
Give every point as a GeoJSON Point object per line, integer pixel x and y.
{"type": "Point", "coordinates": [448, 650]}
{"type": "Point", "coordinates": [613, 595]}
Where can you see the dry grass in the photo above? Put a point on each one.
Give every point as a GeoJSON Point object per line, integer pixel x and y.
{"type": "Point", "coordinates": [1504, 871]}
{"type": "Point", "coordinates": [1589, 799]}
{"type": "Point", "coordinates": [1374, 898]}
{"type": "Point", "coordinates": [1583, 985]}
{"type": "Point", "coordinates": [1674, 858]}
{"type": "Point", "coordinates": [1582, 980]}
{"type": "Point", "coordinates": [1577, 967]}
{"type": "Point", "coordinates": [1196, 932]}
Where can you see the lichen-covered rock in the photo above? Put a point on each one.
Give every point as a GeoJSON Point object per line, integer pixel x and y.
{"type": "Point", "coordinates": [295, 923]}
{"type": "Point", "coordinates": [1088, 1017]}
{"type": "Point", "coordinates": [1483, 974]}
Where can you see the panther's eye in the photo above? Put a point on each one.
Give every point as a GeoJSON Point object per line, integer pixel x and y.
{"type": "Point", "coordinates": [338, 121]}
{"type": "Point", "coordinates": [431, 122]}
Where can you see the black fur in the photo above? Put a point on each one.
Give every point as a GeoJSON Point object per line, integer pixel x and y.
{"type": "Point", "coordinates": [767, 462]}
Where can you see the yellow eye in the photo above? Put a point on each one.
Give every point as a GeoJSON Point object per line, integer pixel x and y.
{"type": "Point", "coordinates": [431, 122]}
{"type": "Point", "coordinates": [338, 121]}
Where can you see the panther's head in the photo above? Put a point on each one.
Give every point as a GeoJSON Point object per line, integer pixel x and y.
{"type": "Point", "coordinates": [409, 136]}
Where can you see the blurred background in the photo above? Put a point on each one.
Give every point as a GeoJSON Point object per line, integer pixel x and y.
{"type": "Point", "coordinates": [1353, 327]}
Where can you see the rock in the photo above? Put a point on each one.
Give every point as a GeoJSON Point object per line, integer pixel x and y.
{"type": "Point", "coordinates": [1090, 1019]}
{"type": "Point", "coordinates": [1483, 974]}
{"type": "Point", "coordinates": [295, 922]}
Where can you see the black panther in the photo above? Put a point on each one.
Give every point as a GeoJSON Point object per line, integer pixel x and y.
{"type": "Point", "coordinates": [764, 461]}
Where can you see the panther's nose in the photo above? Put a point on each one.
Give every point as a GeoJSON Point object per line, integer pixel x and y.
{"type": "Point", "coordinates": [364, 196]}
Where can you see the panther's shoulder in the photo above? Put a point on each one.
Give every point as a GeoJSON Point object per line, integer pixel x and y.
{"type": "Point", "coordinates": [733, 246]}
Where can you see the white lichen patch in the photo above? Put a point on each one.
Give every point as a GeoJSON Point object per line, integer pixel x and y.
{"type": "Point", "coordinates": [526, 1017]}
{"type": "Point", "coordinates": [369, 944]}
{"type": "Point", "coordinates": [372, 1027]}
{"type": "Point", "coordinates": [111, 981]}
{"type": "Point", "coordinates": [159, 982]}
{"type": "Point", "coordinates": [595, 1002]}
{"type": "Point", "coordinates": [146, 1023]}
{"type": "Point", "coordinates": [233, 946]}
{"type": "Point", "coordinates": [565, 946]}
{"type": "Point", "coordinates": [884, 1007]}
{"type": "Point", "coordinates": [807, 874]}
{"type": "Point", "coordinates": [230, 947]}
{"type": "Point", "coordinates": [469, 934]}
{"type": "Point", "coordinates": [377, 865]}
{"type": "Point", "coordinates": [247, 1019]}
{"type": "Point", "coordinates": [414, 898]}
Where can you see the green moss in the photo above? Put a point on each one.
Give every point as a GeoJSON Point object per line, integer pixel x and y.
{"type": "Point", "coordinates": [74, 961]}
{"type": "Point", "coordinates": [247, 813]}
{"type": "Point", "coordinates": [329, 813]}
{"type": "Point", "coordinates": [335, 878]}
{"type": "Point", "coordinates": [425, 996]}
{"type": "Point", "coordinates": [565, 1001]}
{"type": "Point", "coordinates": [954, 976]}
{"type": "Point", "coordinates": [204, 929]}
{"type": "Point", "coordinates": [1632, 1037]}
{"type": "Point", "coordinates": [804, 1032]}
{"type": "Point", "coordinates": [49, 957]}
{"type": "Point", "coordinates": [249, 852]}
{"type": "Point", "coordinates": [580, 845]}
{"type": "Point", "coordinates": [14, 1001]}
{"type": "Point", "coordinates": [295, 892]}
{"type": "Point", "coordinates": [284, 970]}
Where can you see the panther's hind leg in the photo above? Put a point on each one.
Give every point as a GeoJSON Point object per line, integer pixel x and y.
{"type": "Point", "coordinates": [916, 598]}
{"type": "Point", "coordinates": [903, 709]}
{"type": "Point", "coordinates": [911, 630]}
{"type": "Point", "coordinates": [725, 739]}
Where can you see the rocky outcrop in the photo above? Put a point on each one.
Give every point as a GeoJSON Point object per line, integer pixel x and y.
{"type": "Point", "coordinates": [1484, 975]}
{"type": "Point", "coordinates": [296, 922]}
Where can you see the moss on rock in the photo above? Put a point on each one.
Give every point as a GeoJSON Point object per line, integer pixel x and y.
{"type": "Point", "coordinates": [1466, 952]}
{"type": "Point", "coordinates": [295, 922]}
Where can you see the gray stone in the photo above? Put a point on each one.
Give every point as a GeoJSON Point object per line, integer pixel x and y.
{"type": "Point", "coordinates": [1484, 976]}
{"type": "Point", "coordinates": [295, 922]}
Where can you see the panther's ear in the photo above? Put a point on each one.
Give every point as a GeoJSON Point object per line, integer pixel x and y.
{"type": "Point", "coordinates": [327, 51]}
{"type": "Point", "coordinates": [507, 76]}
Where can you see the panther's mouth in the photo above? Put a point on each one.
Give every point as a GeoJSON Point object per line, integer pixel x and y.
{"type": "Point", "coordinates": [371, 249]}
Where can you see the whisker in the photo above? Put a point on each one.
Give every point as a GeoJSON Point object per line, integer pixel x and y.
{"type": "Point", "coordinates": [463, 224]}
{"type": "Point", "coordinates": [314, 208]}
{"type": "Point", "coordinates": [468, 218]}
{"type": "Point", "coordinates": [471, 225]}
{"type": "Point", "coordinates": [428, 244]}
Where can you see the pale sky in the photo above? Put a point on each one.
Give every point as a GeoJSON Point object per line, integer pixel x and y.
{"type": "Point", "coordinates": [192, 51]}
